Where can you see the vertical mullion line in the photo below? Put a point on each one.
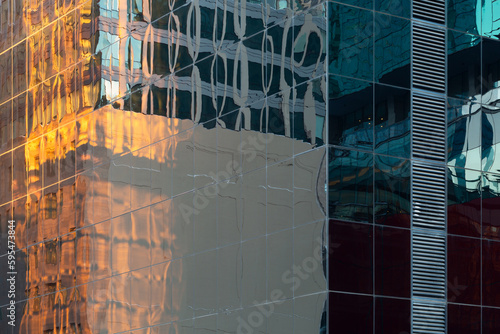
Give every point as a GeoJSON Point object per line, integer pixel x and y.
{"type": "Point", "coordinates": [327, 160]}
{"type": "Point", "coordinates": [446, 171]}
{"type": "Point", "coordinates": [373, 168]}
{"type": "Point", "coordinates": [481, 194]}
{"type": "Point", "coordinates": [411, 167]}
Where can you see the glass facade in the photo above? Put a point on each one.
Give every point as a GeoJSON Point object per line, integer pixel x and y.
{"type": "Point", "coordinates": [165, 165]}
{"type": "Point", "coordinates": [223, 166]}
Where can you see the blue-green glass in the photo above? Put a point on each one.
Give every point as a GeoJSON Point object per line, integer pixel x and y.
{"type": "Point", "coordinates": [392, 50]}
{"type": "Point", "coordinates": [350, 113]}
{"type": "Point", "coordinates": [394, 7]}
{"type": "Point", "coordinates": [464, 125]}
{"type": "Point", "coordinates": [392, 121]}
{"type": "Point", "coordinates": [350, 41]}
{"type": "Point", "coordinates": [464, 15]}
{"type": "Point", "coordinates": [392, 191]}
{"type": "Point", "coordinates": [464, 66]}
{"type": "Point", "coordinates": [368, 4]}
{"type": "Point", "coordinates": [350, 187]}
{"type": "Point", "coordinates": [490, 139]}
{"type": "Point", "coordinates": [490, 18]}
{"type": "Point", "coordinates": [490, 81]}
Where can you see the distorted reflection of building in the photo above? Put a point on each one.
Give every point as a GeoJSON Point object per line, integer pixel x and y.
{"type": "Point", "coordinates": [144, 163]}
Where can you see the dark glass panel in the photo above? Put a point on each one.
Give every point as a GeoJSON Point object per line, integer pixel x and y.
{"type": "Point", "coordinates": [463, 15]}
{"type": "Point", "coordinates": [464, 202]}
{"type": "Point", "coordinates": [463, 319]}
{"type": "Point", "coordinates": [392, 262]}
{"type": "Point", "coordinates": [491, 273]}
{"type": "Point", "coordinates": [350, 41]}
{"type": "Point", "coordinates": [491, 71]}
{"type": "Point", "coordinates": [368, 4]}
{"type": "Point", "coordinates": [309, 114]}
{"type": "Point", "coordinates": [350, 112]}
{"type": "Point", "coordinates": [491, 320]}
{"type": "Point", "coordinates": [464, 125]}
{"type": "Point", "coordinates": [392, 316]}
{"type": "Point", "coordinates": [491, 206]}
{"type": "Point", "coordinates": [351, 257]}
{"type": "Point", "coordinates": [309, 51]}
{"type": "Point", "coordinates": [392, 121]}
{"type": "Point", "coordinates": [394, 7]}
{"type": "Point", "coordinates": [392, 50]}
{"type": "Point", "coordinates": [392, 191]}
{"type": "Point", "coordinates": [464, 275]}
{"type": "Point", "coordinates": [350, 314]}
{"type": "Point", "coordinates": [279, 44]}
{"type": "Point", "coordinates": [464, 65]}
{"type": "Point", "coordinates": [351, 185]}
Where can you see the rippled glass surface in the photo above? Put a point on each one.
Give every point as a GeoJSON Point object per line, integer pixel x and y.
{"type": "Point", "coordinates": [350, 185]}
{"type": "Point", "coordinates": [392, 50]}
{"type": "Point", "coordinates": [464, 125]}
{"type": "Point", "coordinates": [165, 164]}
{"type": "Point", "coordinates": [464, 66]}
{"type": "Point", "coordinates": [350, 41]}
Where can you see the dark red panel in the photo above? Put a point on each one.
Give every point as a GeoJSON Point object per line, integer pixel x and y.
{"type": "Point", "coordinates": [465, 218]}
{"type": "Point", "coordinates": [392, 262]}
{"type": "Point", "coordinates": [463, 319]}
{"type": "Point", "coordinates": [392, 316]}
{"type": "Point", "coordinates": [350, 314]}
{"type": "Point", "coordinates": [491, 320]}
{"type": "Point", "coordinates": [491, 273]}
{"type": "Point", "coordinates": [464, 270]}
{"type": "Point", "coordinates": [351, 257]}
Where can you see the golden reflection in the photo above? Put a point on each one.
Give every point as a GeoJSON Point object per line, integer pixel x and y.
{"type": "Point", "coordinates": [110, 249]}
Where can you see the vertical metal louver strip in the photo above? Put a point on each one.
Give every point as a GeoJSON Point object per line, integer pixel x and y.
{"type": "Point", "coordinates": [428, 196]}
{"type": "Point", "coordinates": [428, 127]}
{"type": "Point", "coordinates": [429, 58]}
{"type": "Point", "coordinates": [428, 318]}
{"type": "Point", "coordinates": [429, 265]}
{"type": "Point", "coordinates": [430, 10]}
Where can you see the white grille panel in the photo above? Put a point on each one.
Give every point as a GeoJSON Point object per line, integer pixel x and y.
{"type": "Point", "coordinates": [429, 196]}
{"type": "Point", "coordinates": [429, 58]}
{"type": "Point", "coordinates": [430, 10]}
{"type": "Point", "coordinates": [428, 318]}
{"type": "Point", "coordinates": [429, 124]}
{"type": "Point", "coordinates": [429, 265]}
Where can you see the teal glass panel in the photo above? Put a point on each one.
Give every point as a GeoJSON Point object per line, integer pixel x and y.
{"type": "Point", "coordinates": [464, 15]}
{"type": "Point", "coordinates": [350, 187]}
{"type": "Point", "coordinates": [394, 7]}
{"type": "Point", "coordinates": [392, 121]}
{"type": "Point", "coordinates": [392, 50]}
{"type": "Point", "coordinates": [464, 69]}
{"type": "Point", "coordinates": [350, 41]}
{"type": "Point", "coordinates": [350, 113]}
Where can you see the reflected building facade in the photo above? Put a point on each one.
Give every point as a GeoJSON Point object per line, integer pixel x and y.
{"type": "Point", "coordinates": [202, 166]}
